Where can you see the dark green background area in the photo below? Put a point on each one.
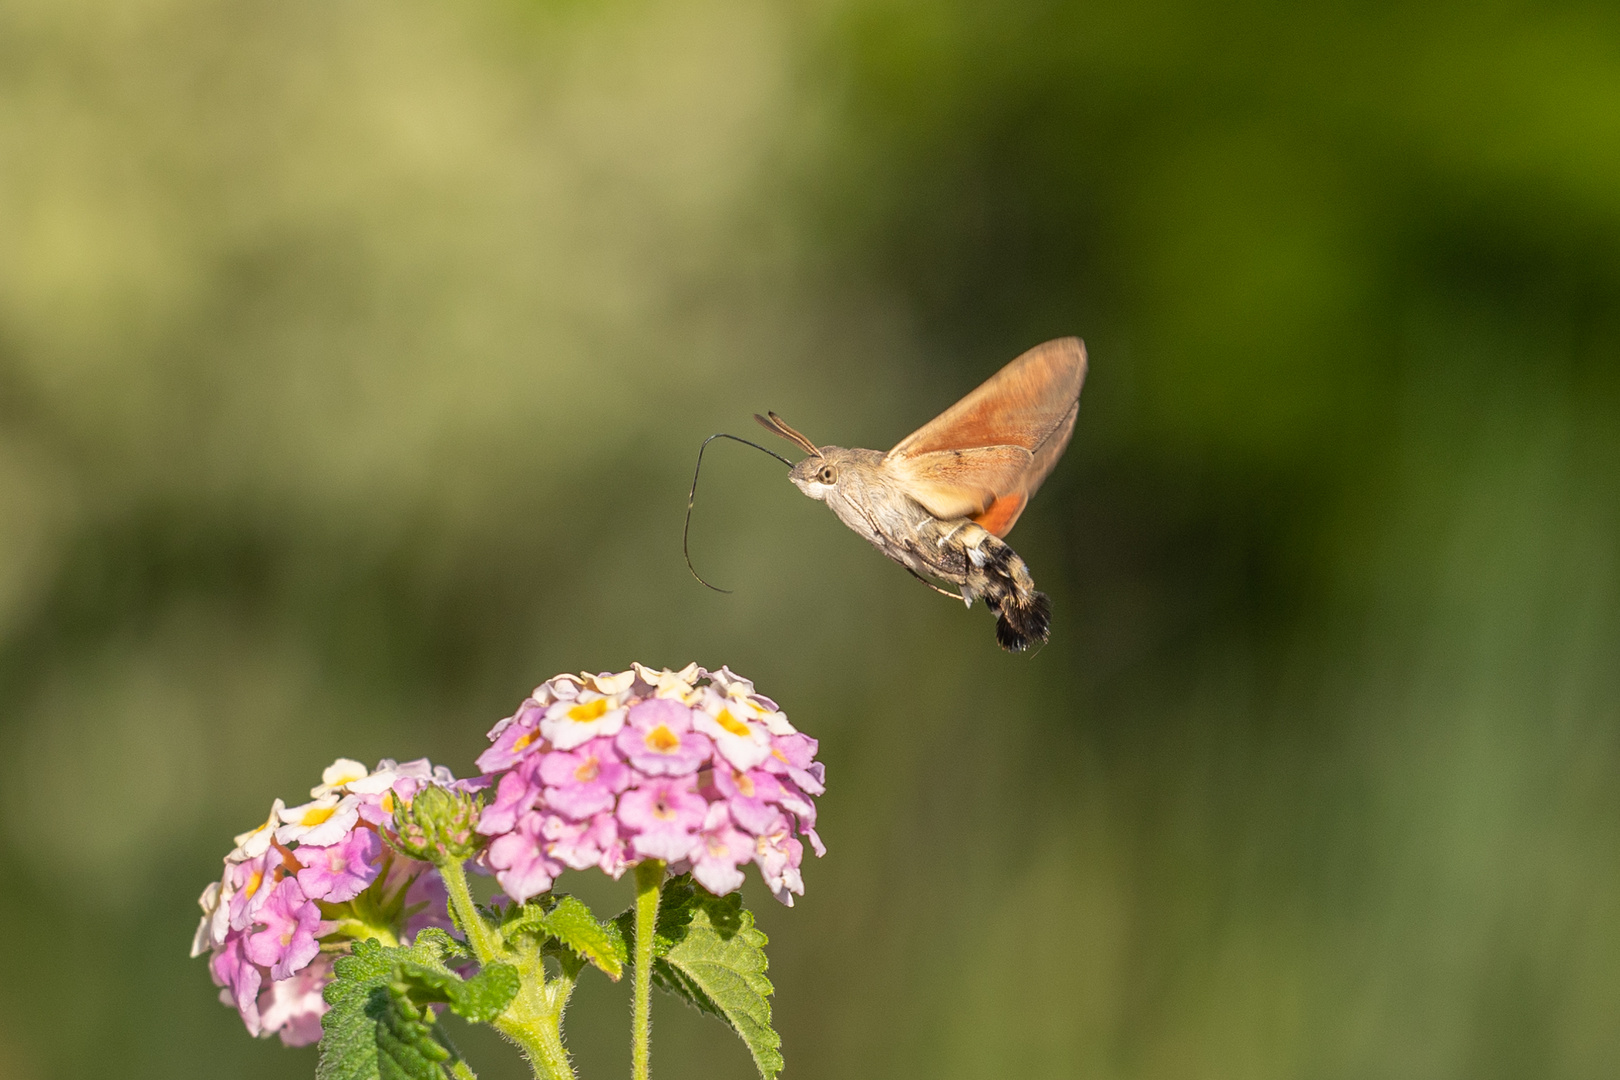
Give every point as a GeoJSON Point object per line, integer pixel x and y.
{"type": "Point", "coordinates": [353, 358]}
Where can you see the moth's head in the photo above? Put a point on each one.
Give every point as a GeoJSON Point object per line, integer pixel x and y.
{"type": "Point", "coordinates": [818, 474]}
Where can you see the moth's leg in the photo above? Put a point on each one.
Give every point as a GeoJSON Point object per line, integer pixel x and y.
{"type": "Point", "coordinates": [936, 588]}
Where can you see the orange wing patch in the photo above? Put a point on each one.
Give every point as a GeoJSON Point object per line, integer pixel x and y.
{"type": "Point", "coordinates": [1002, 514]}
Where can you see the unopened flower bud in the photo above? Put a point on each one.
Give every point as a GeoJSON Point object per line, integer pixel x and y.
{"type": "Point", "coordinates": [437, 826]}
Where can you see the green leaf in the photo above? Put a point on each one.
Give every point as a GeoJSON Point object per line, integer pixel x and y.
{"type": "Point", "coordinates": [378, 1028]}
{"type": "Point", "coordinates": [602, 943]}
{"type": "Point", "coordinates": [676, 904]}
{"type": "Point", "coordinates": [439, 943]}
{"type": "Point", "coordinates": [372, 1029]}
{"type": "Point", "coordinates": [708, 953]}
{"type": "Point", "coordinates": [715, 961]}
{"type": "Point", "coordinates": [479, 999]}
{"type": "Point", "coordinates": [576, 934]}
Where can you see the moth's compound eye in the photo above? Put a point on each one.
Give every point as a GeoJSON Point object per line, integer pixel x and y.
{"type": "Point", "coordinates": [827, 474]}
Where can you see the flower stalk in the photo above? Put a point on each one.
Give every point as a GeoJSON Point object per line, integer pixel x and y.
{"type": "Point", "coordinates": [486, 944]}
{"type": "Point", "coordinates": [649, 887]}
{"type": "Point", "coordinates": [534, 1019]}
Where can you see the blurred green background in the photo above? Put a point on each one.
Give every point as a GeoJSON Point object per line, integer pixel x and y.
{"type": "Point", "coordinates": [353, 358]}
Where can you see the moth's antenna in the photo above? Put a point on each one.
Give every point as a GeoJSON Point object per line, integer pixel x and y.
{"type": "Point", "coordinates": [779, 426]}
{"type": "Point", "coordinates": [691, 497]}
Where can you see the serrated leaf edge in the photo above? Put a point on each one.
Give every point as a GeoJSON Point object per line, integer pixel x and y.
{"type": "Point", "coordinates": [762, 1040]}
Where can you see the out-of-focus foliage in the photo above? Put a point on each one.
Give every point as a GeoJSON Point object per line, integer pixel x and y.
{"type": "Point", "coordinates": [353, 357]}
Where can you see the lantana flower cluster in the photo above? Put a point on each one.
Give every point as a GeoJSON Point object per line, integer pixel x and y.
{"type": "Point", "coordinates": [692, 767]}
{"type": "Point", "coordinates": [309, 880]}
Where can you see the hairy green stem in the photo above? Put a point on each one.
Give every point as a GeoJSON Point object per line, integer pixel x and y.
{"type": "Point", "coordinates": [649, 884]}
{"type": "Point", "coordinates": [534, 1019]}
{"type": "Point", "coordinates": [486, 943]}
{"type": "Point", "coordinates": [541, 1042]}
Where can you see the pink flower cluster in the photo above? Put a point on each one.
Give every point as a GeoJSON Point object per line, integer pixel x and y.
{"type": "Point", "coordinates": [691, 767]}
{"type": "Point", "coordinates": [304, 883]}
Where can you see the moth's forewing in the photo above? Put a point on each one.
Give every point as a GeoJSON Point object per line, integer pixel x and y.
{"type": "Point", "coordinates": [986, 456]}
{"type": "Point", "coordinates": [1023, 404]}
{"type": "Point", "coordinates": [961, 483]}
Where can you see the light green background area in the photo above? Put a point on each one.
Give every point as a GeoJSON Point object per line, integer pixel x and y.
{"type": "Point", "coordinates": [353, 359]}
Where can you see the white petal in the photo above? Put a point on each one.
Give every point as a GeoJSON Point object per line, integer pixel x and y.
{"type": "Point", "coordinates": [562, 688]}
{"type": "Point", "coordinates": [375, 784]}
{"type": "Point", "coordinates": [776, 722]}
{"type": "Point", "coordinates": [202, 940]}
{"type": "Point", "coordinates": [340, 772]}
{"type": "Point", "coordinates": [252, 844]}
{"type": "Point", "coordinates": [610, 683]}
{"type": "Point", "coordinates": [312, 822]}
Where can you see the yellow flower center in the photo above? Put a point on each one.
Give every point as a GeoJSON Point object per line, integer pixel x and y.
{"type": "Point", "coordinates": [745, 784]}
{"type": "Point", "coordinates": [253, 884]}
{"type": "Point", "coordinates": [662, 740]}
{"type": "Point", "coordinates": [388, 802]}
{"type": "Point", "coordinates": [731, 723]}
{"type": "Point", "coordinates": [591, 710]}
{"type": "Point", "coordinates": [588, 771]}
{"type": "Point", "coordinates": [524, 740]}
{"type": "Point", "coordinates": [316, 816]}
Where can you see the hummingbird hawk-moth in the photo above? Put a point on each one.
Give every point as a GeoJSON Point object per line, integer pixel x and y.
{"type": "Point", "coordinates": [940, 502]}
